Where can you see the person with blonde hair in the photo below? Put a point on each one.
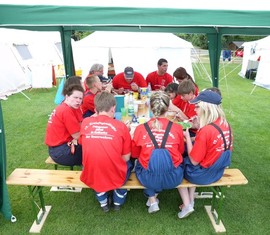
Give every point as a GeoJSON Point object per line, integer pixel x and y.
{"type": "Point", "coordinates": [211, 152]}
{"type": "Point", "coordinates": [158, 145]}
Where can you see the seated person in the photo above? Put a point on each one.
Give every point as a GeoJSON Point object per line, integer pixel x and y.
{"type": "Point", "coordinates": [159, 79]}
{"type": "Point", "coordinates": [162, 171]}
{"type": "Point", "coordinates": [181, 74]}
{"type": "Point", "coordinates": [63, 129]}
{"type": "Point", "coordinates": [129, 80]}
{"type": "Point", "coordinates": [186, 90]}
{"type": "Point", "coordinates": [106, 144]}
{"type": "Point", "coordinates": [211, 152]}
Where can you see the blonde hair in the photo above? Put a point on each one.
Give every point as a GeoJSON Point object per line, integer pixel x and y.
{"type": "Point", "coordinates": [159, 103]}
{"type": "Point", "coordinates": [210, 113]}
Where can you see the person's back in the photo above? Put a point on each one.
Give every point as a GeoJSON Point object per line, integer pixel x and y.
{"type": "Point", "coordinates": [158, 170]}
{"type": "Point", "coordinates": [106, 145]}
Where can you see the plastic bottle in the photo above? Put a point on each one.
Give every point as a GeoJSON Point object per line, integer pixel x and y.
{"type": "Point", "coordinates": [149, 90]}
{"type": "Point", "coordinates": [130, 105]}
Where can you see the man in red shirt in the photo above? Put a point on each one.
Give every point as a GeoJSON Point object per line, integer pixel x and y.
{"type": "Point", "coordinates": [106, 144]}
{"type": "Point", "coordinates": [159, 79]}
{"type": "Point", "coordinates": [129, 80]}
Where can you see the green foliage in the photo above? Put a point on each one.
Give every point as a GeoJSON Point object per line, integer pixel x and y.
{"type": "Point", "coordinates": [246, 208]}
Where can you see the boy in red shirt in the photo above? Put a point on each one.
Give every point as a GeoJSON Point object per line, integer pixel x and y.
{"type": "Point", "coordinates": [106, 144]}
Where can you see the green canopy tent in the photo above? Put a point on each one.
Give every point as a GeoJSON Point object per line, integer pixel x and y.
{"type": "Point", "coordinates": [213, 18]}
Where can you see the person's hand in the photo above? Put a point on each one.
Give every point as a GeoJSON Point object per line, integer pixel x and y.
{"type": "Point", "coordinates": [134, 86]}
{"type": "Point", "coordinates": [121, 90]}
{"type": "Point", "coordinates": [109, 87]}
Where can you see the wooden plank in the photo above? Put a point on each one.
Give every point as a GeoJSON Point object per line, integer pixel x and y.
{"type": "Point", "coordinates": [66, 178]}
{"type": "Point", "coordinates": [36, 228]}
{"type": "Point", "coordinates": [219, 228]}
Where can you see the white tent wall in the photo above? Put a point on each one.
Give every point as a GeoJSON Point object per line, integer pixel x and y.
{"type": "Point", "coordinates": [139, 50]}
{"type": "Point", "coordinates": [36, 71]}
{"type": "Point", "coordinates": [262, 77]}
{"type": "Point", "coordinates": [257, 55]}
{"type": "Point", "coordinates": [13, 77]}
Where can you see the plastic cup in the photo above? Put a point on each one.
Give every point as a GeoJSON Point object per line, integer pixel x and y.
{"type": "Point", "coordinates": [123, 112]}
{"type": "Point", "coordinates": [118, 116]}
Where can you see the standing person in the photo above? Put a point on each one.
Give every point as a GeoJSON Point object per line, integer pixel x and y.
{"type": "Point", "coordinates": [63, 129]}
{"type": "Point", "coordinates": [159, 79]}
{"type": "Point", "coordinates": [94, 87]}
{"type": "Point", "coordinates": [129, 80]}
{"type": "Point", "coordinates": [106, 144]}
{"type": "Point", "coordinates": [211, 152]}
{"type": "Point", "coordinates": [181, 74]}
{"type": "Point", "coordinates": [158, 145]}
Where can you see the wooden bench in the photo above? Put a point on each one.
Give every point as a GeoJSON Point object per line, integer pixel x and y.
{"type": "Point", "coordinates": [49, 160]}
{"type": "Point", "coordinates": [36, 179]}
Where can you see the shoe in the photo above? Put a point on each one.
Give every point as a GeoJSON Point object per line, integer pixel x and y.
{"type": "Point", "coordinates": [153, 208]}
{"type": "Point", "coordinates": [182, 205]}
{"type": "Point", "coordinates": [105, 208]}
{"type": "Point", "coordinates": [148, 203]}
{"type": "Point", "coordinates": [116, 207]}
{"type": "Point", "coordinates": [186, 211]}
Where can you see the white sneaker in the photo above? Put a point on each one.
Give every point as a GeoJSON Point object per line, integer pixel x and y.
{"type": "Point", "coordinates": [186, 211]}
{"type": "Point", "coordinates": [153, 208]}
{"type": "Point", "coordinates": [148, 203]}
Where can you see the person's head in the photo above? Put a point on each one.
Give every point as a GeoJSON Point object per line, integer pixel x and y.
{"type": "Point", "coordinates": [105, 102]}
{"type": "Point", "coordinates": [172, 90]}
{"type": "Point", "coordinates": [93, 82]}
{"type": "Point", "coordinates": [187, 90]}
{"type": "Point", "coordinates": [97, 69]}
{"type": "Point", "coordinates": [214, 89]}
{"type": "Point", "coordinates": [181, 74]}
{"type": "Point", "coordinates": [162, 66]}
{"type": "Point", "coordinates": [74, 95]}
{"type": "Point", "coordinates": [159, 103]}
{"type": "Point", "coordinates": [71, 80]}
{"type": "Point", "coordinates": [129, 74]}
{"type": "Point", "coordinates": [208, 107]}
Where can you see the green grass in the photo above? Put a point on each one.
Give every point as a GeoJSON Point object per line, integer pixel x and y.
{"type": "Point", "coordinates": [246, 207]}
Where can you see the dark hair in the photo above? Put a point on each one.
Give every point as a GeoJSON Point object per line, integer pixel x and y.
{"type": "Point", "coordinates": [172, 88]}
{"type": "Point", "coordinates": [73, 87]}
{"type": "Point", "coordinates": [71, 80]}
{"type": "Point", "coordinates": [181, 74]}
{"type": "Point", "coordinates": [161, 61]}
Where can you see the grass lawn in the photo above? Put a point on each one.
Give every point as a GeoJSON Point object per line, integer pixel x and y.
{"type": "Point", "coordinates": [246, 207]}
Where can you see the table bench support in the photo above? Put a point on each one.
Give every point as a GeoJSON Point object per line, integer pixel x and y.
{"type": "Point", "coordinates": [34, 192]}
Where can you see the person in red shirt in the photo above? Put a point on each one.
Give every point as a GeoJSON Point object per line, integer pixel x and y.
{"type": "Point", "coordinates": [129, 80]}
{"type": "Point", "coordinates": [94, 87]}
{"type": "Point", "coordinates": [106, 144]}
{"type": "Point", "coordinates": [148, 169]}
{"type": "Point", "coordinates": [211, 152]}
{"type": "Point", "coordinates": [159, 79]}
{"type": "Point", "coordinates": [181, 74]}
{"type": "Point", "coordinates": [63, 129]}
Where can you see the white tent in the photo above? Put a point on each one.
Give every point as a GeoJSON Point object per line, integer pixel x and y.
{"type": "Point", "coordinates": [257, 56]}
{"type": "Point", "coordinates": [139, 50]}
{"type": "Point", "coordinates": [27, 59]}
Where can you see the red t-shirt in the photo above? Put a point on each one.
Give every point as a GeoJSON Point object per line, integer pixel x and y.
{"type": "Point", "coordinates": [119, 81]}
{"type": "Point", "coordinates": [209, 144]}
{"type": "Point", "coordinates": [63, 122]}
{"type": "Point", "coordinates": [88, 102]}
{"type": "Point", "coordinates": [104, 140]}
{"type": "Point", "coordinates": [157, 80]}
{"type": "Point", "coordinates": [142, 145]}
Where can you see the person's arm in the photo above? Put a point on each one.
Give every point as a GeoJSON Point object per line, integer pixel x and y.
{"type": "Point", "coordinates": [179, 112]}
{"type": "Point", "coordinates": [75, 137]}
{"type": "Point", "coordinates": [126, 157]}
{"type": "Point", "coordinates": [189, 147]}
